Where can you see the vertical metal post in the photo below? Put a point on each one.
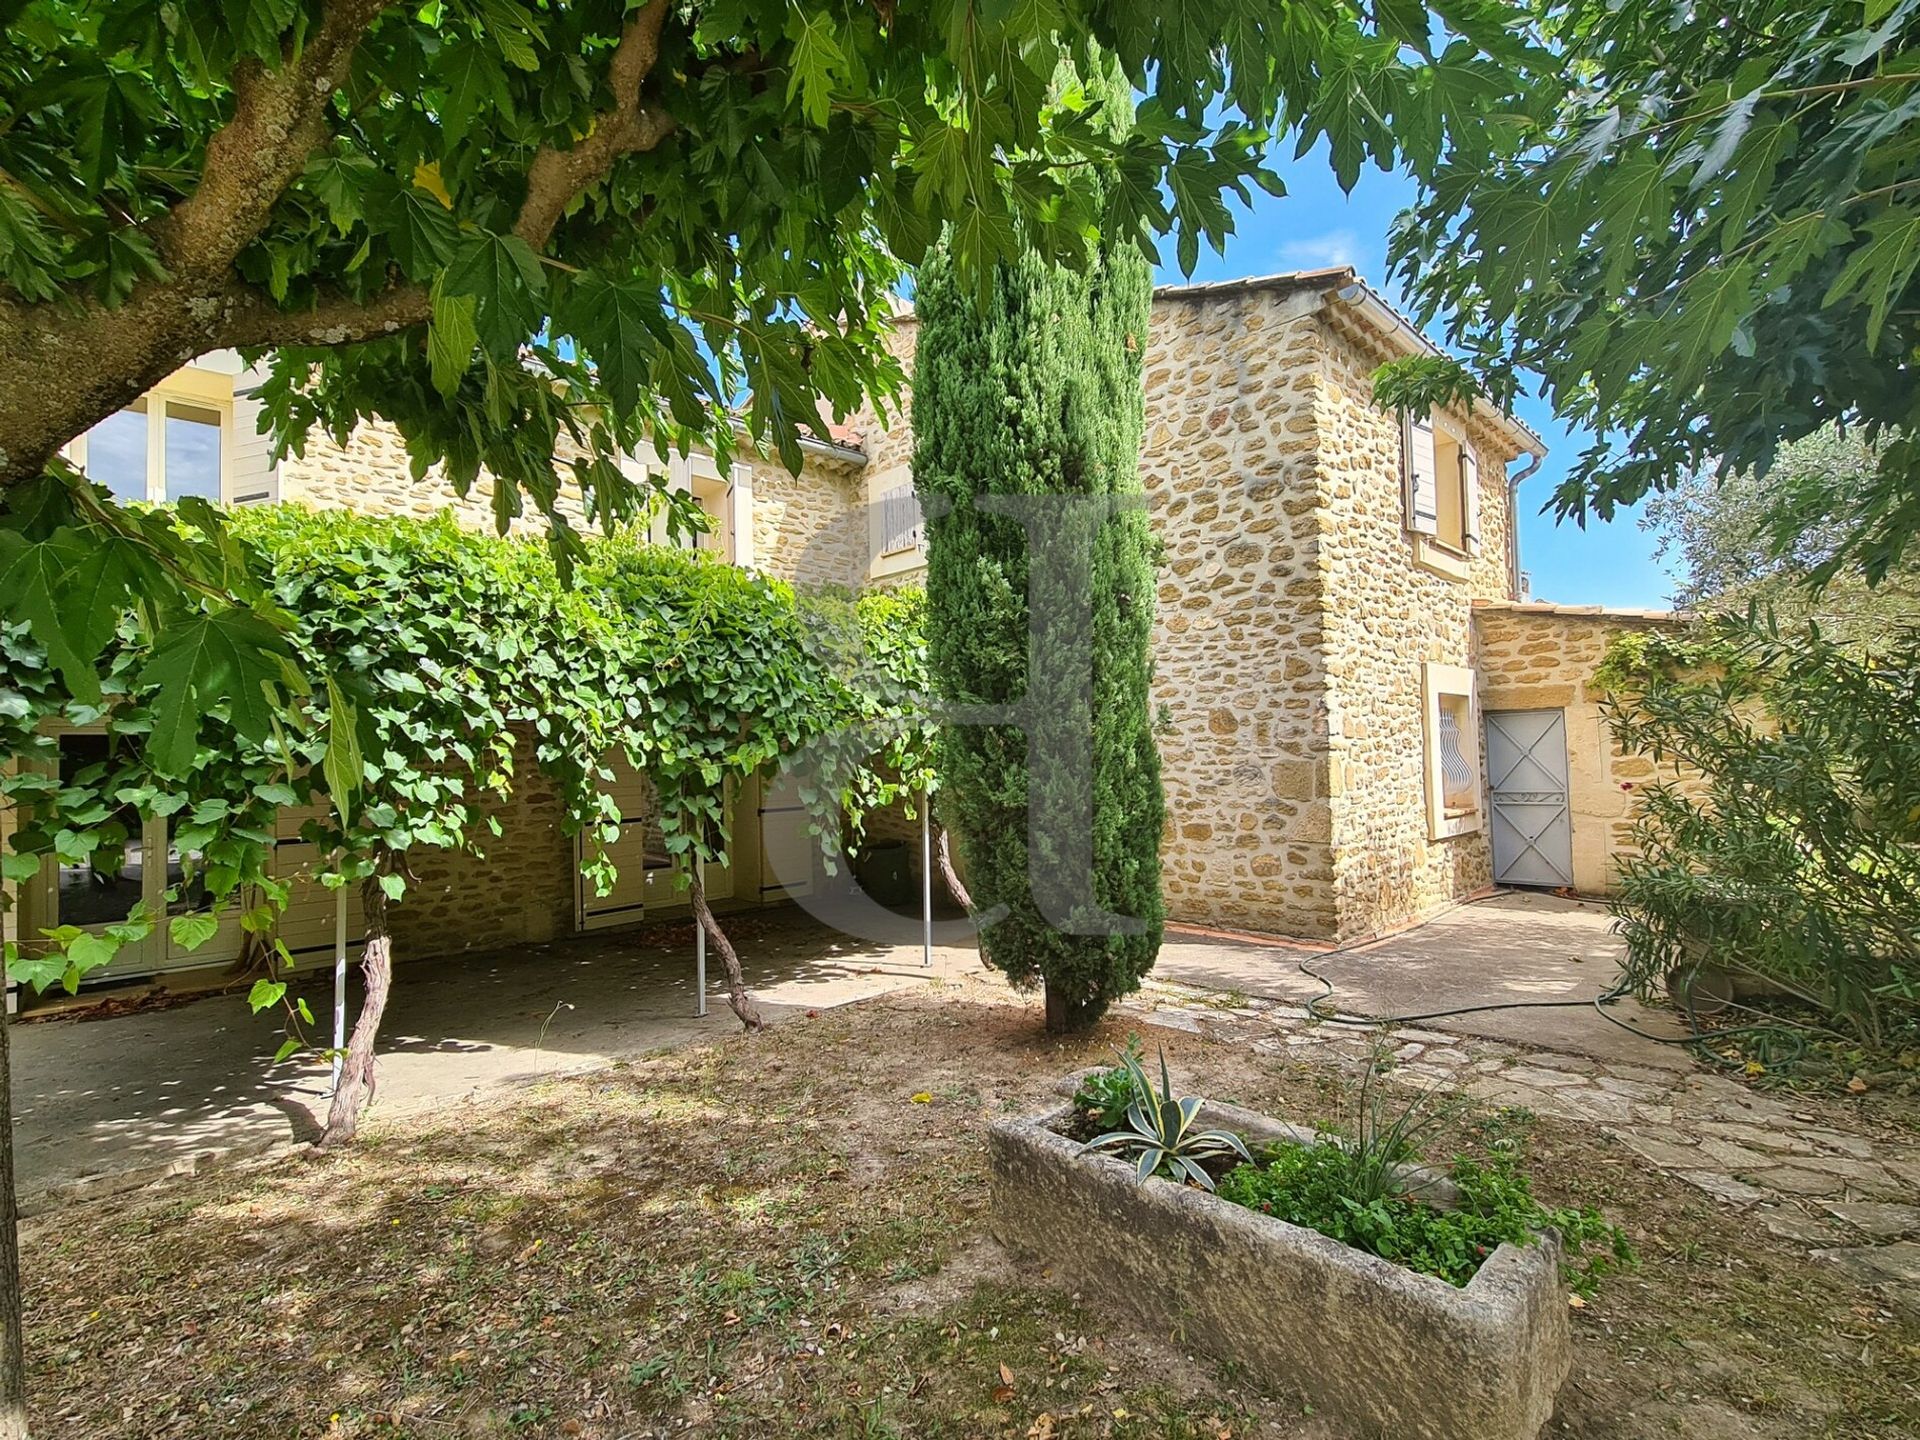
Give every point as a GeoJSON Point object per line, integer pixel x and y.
{"type": "Point", "coordinates": [926, 879]}
{"type": "Point", "coordinates": [700, 968]}
{"type": "Point", "coordinates": [339, 983]}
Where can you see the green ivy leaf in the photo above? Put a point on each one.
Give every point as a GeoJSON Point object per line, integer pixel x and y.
{"type": "Point", "coordinates": [343, 767]}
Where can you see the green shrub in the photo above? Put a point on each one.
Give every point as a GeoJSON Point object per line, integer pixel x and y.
{"type": "Point", "coordinates": [1103, 1095]}
{"type": "Point", "coordinates": [1322, 1188]}
{"type": "Point", "coordinates": [1789, 846]}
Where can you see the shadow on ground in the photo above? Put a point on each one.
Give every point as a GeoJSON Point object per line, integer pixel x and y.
{"type": "Point", "coordinates": [105, 1103]}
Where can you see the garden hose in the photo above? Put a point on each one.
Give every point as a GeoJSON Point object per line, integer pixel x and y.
{"type": "Point", "coordinates": [1697, 1042]}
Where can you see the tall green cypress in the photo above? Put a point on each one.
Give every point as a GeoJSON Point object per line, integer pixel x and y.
{"type": "Point", "coordinates": [1034, 390]}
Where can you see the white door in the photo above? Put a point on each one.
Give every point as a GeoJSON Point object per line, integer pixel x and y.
{"type": "Point", "coordinates": [93, 897]}
{"type": "Point", "coordinates": [1527, 774]}
{"type": "Point", "coordinates": [786, 849]}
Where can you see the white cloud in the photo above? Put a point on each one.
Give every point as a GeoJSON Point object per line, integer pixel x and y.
{"type": "Point", "coordinates": [1313, 252]}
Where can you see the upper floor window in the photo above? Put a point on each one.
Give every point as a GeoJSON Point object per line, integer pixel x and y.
{"type": "Point", "coordinates": [158, 449]}
{"type": "Point", "coordinates": [1442, 482]}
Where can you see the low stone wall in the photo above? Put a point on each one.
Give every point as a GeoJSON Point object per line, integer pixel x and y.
{"type": "Point", "coordinates": [1543, 657]}
{"type": "Point", "coordinates": [1376, 1347]}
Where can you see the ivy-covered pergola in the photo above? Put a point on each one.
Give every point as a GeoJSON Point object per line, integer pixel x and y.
{"type": "Point", "coordinates": [441, 646]}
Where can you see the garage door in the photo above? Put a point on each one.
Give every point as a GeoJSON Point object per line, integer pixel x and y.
{"type": "Point", "coordinates": [1527, 774]}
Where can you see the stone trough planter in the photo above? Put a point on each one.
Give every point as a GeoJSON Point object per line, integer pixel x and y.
{"type": "Point", "coordinates": [1381, 1348]}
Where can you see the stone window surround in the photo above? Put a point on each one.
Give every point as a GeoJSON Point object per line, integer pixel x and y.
{"type": "Point", "coordinates": [1450, 682]}
{"type": "Point", "coordinates": [1450, 450]}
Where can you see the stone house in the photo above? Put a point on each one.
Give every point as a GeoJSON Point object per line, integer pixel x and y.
{"type": "Point", "coordinates": [1365, 721]}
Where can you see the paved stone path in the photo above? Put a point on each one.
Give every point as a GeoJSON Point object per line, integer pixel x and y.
{"type": "Point", "coordinates": [1850, 1200]}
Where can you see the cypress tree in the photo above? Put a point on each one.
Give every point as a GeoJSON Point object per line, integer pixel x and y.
{"type": "Point", "coordinates": [1029, 384]}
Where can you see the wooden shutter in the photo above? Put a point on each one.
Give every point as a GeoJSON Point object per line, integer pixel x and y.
{"type": "Point", "coordinates": [253, 478]}
{"type": "Point", "coordinates": [900, 519]}
{"type": "Point", "coordinates": [740, 514]}
{"type": "Point", "coordinates": [1422, 484]}
{"type": "Point", "coordinates": [1470, 499]}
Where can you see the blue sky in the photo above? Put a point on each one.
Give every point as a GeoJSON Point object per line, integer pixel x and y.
{"type": "Point", "coordinates": [1315, 224]}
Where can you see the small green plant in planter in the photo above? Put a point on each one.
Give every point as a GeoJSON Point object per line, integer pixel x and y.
{"type": "Point", "coordinates": [1364, 1190]}
{"type": "Point", "coordinates": [1160, 1137]}
{"type": "Point", "coordinates": [1103, 1096]}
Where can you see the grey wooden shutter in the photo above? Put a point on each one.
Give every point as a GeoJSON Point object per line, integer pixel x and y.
{"type": "Point", "coordinates": [1470, 498]}
{"type": "Point", "coordinates": [900, 514]}
{"type": "Point", "coordinates": [1422, 485]}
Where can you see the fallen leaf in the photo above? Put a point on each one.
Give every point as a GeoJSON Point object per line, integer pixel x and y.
{"type": "Point", "coordinates": [921, 1097]}
{"type": "Point", "coordinates": [1857, 1086]}
{"type": "Point", "coordinates": [1578, 1302]}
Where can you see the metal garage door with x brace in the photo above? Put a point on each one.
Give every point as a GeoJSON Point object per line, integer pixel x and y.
{"type": "Point", "coordinates": [1527, 772]}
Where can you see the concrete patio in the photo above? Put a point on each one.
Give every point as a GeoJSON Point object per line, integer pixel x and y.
{"type": "Point", "coordinates": [111, 1102]}
{"type": "Point", "coordinates": [103, 1104]}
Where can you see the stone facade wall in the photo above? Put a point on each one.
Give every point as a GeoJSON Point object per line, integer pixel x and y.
{"type": "Point", "coordinates": [1543, 657]}
{"type": "Point", "coordinates": [1230, 462]}
{"type": "Point", "coordinates": [810, 528]}
{"type": "Point", "coordinates": [372, 474]}
{"type": "Point", "coordinates": [1386, 615]}
{"type": "Point", "coordinates": [519, 889]}
{"type": "Point", "coordinates": [807, 528]}
{"type": "Point", "coordinates": [1228, 466]}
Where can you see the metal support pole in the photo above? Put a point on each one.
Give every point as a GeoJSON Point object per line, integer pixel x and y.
{"type": "Point", "coordinates": [926, 879]}
{"type": "Point", "coordinates": [700, 967]}
{"type": "Point", "coordinates": [339, 983]}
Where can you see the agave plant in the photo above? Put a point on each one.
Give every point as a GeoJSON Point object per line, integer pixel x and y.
{"type": "Point", "coordinates": [1160, 1136]}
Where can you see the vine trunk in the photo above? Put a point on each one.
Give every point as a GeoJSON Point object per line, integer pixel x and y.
{"type": "Point", "coordinates": [356, 1074]}
{"type": "Point", "coordinates": [737, 996]}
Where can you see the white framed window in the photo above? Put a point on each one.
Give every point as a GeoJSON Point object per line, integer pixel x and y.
{"type": "Point", "coordinates": [1452, 749]}
{"type": "Point", "coordinates": [726, 501]}
{"type": "Point", "coordinates": [1440, 475]}
{"type": "Point", "coordinates": [168, 445]}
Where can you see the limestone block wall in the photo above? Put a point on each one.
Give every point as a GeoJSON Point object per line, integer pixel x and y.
{"type": "Point", "coordinates": [1385, 617]}
{"type": "Point", "coordinates": [1542, 657]}
{"type": "Point", "coordinates": [1230, 462]}
{"type": "Point", "coordinates": [372, 474]}
{"type": "Point", "coordinates": [1228, 466]}
{"type": "Point", "coordinates": [807, 528]}
{"type": "Point", "coordinates": [520, 889]}
{"type": "Point", "coordinates": [810, 528]}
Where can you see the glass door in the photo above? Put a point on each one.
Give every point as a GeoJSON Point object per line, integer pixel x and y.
{"type": "Point", "coordinates": [137, 862]}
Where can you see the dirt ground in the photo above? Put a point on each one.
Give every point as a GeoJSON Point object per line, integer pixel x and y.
{"type": "Point", "coordinates": [786, 1235]}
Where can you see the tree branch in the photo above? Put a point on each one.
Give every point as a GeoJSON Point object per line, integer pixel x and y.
{"type": "Point", "coordinates": [333, 319]}
{"type": "Point", "coordinates": [279, 120]}
{"type": "Point", "coordinates": [629, 128]}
